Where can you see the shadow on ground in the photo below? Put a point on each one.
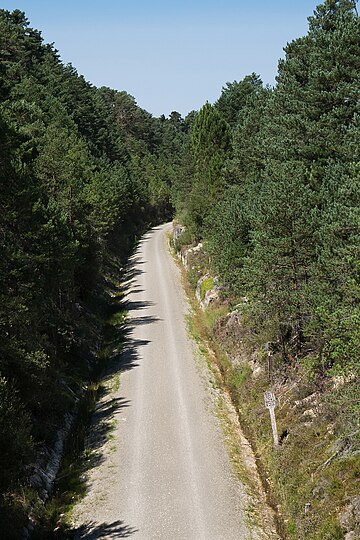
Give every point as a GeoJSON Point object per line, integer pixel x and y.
{"type": "Point", "coordinates": [120, 352]}
{"type": "Point", "coordinates": [93, 531]}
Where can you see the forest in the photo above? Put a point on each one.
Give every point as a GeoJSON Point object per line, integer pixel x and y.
{"type": "Point", "coordinates": [83, 172]}
{"type": "Point", "coordinates": [266, 178]}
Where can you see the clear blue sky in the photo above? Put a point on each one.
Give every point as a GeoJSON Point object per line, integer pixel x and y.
{"type": "Point", "coordinates": [169, 54]}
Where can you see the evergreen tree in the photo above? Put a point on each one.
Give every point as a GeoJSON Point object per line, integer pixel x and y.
{"type": "Point", "coordinates": [235, 96]}
{"type": "Point", "coordinates": [211, 145]}
{"type": "Point", "coordinates": [80, 173]}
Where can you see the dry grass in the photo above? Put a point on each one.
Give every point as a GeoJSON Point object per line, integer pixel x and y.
{"type": "Point", "coordinates": [308, 471]}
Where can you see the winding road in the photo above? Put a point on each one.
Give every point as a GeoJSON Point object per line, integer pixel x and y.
{"type": "Point", "coordinates": [165, 473]}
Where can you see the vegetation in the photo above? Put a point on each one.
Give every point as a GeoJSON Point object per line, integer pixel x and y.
{"type": "Point", "coordinates": [83, 171]}
{"type": "Point", "coordinates": [279, 221]}
{"type": "Point", "coordinates": [275, 194]}
{"type": "Point", "coordinates": [266, 178]}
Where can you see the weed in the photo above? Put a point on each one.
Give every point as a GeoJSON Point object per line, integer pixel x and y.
{"type": "Point", "coordinates": [115, 382]}
{"type": "Point", "coordinates": [118, 318]}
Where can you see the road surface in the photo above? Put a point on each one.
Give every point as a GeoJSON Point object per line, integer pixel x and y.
{"type": "Point", "coordinates": [165, 473]}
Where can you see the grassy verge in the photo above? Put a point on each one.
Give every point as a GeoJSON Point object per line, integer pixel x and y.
{"type": "Point", "coordinates": [201, 324]}
{"type": "Point", "coordinates": [313, 478]}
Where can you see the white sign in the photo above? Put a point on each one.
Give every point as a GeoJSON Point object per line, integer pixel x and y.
{"type": "Point", "coordinates": [270, 403]}
{"type": "Point", "coordinates": [270, 400]}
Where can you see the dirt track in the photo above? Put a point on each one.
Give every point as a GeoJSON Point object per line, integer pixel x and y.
{"type": "Point", "coordinates": [166, 473]}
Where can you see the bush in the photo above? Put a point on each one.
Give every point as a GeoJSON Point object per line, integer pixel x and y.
{"type": "Point", "coordinates": [15, 439]}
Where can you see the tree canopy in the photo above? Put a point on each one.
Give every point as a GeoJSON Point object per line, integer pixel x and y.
{"type": "Point", "coordinates": [267, 178]}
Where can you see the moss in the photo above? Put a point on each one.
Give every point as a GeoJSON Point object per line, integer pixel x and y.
{"type": "Point", "coordinates": [206, 285]}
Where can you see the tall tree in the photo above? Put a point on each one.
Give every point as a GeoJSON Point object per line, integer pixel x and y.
{"type": "Point", "coordinates": [211, 145]}
{"type": "Point", "coordinates": [235, 95]}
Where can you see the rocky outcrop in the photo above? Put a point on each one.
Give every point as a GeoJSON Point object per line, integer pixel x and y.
{"type": "Point", "coordinates": [199, 286]}
{"type": "Point", "coordinates": [211, 296]}
{"type": "Point", "coordinates": [46, 469]}
{"type": "Point", "coordinates": [350, 519]}
{"type": "Point", "coordinates": [188, 254]}
{"type": "Point", "coordinates": [207, 296]}
{"type": "Point", "coordinates": [177, 232]}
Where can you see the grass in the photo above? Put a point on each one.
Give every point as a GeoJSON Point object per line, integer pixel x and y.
{"type": "Point", "coordinates": [296, 472]}
{"type": "Point", "coordinates": [211, 316]}
{"type": "Point", "coordinates": [117, 318]}
{"type": "Point", "coordinates": [300, 471]}
{"type": "Point", "coordinates": [206, 285]}
{"type": "Point", "coordinates": [115, 383]}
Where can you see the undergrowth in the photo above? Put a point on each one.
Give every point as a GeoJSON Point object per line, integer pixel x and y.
{"type": "Point", "coordinates": [53, 519]}
{"type": "Point", "coordinates": [315, 473]}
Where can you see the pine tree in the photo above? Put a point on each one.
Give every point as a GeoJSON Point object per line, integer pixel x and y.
{"type": "Point", "coordinates": [211, 145]}
{"type": "Point", "coordinates": [306, 130]}
{"type": "Point", "coordinates": [234, 97]}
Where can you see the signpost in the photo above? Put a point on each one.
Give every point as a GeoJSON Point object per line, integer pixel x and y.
{"type": "Point", "coordinates": [270, 403]}
{"type": "Point", "coordinates": [269, 362]}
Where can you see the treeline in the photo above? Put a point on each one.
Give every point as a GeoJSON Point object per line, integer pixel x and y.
{"type": "Point", "coordinates": [83, 170]}
{"type": "Point", "coordinates": [267, 178]}
{"type": "Point", "coordinates": [275, 201]}
{"type": "Point", "coordinates": [275, 195]}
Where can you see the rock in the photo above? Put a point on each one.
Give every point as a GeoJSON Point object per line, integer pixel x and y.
{"type": "Point", "coordinates": [211, 296]}
{"type": "Point", "coordinates": [184, 258]}
{"type": "Point", "coordinates": [188, 253]}
{"type": "Point", "coordinates": [177, 232]}
{"type": "Point", "coordinates": [310, 399]}
{"type": "Point", "coordinates": [340, 380]}
{"type": "Point", "coordinates": [350, 519]}
{"type": "Point", "coordinates": [310, 412]}
{"type": "Point", "coordinates": [198, 287]}
{"type": "Point", "coordinates": [257, 371]}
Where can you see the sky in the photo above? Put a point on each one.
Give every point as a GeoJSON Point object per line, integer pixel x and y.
{"type": "Point", "coordinates": [170, 55]}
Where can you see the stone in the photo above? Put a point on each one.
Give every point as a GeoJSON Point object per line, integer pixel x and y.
{"type": "Point", "coordinates": [350, 519]}
{"type": "Point", "coordinates": [211, 296]}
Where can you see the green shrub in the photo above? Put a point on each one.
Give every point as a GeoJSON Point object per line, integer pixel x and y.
{"type": "Point", "coordinates": [185, 239]}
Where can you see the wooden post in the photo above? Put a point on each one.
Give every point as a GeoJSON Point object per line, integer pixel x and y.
{"type": "Point", "coordinates": [270, 403]}
{"type": "Point", "coordinates": [269, 362]}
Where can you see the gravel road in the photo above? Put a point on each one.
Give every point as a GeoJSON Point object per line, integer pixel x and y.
{"type": "Point", "coordinates": [165, 473]}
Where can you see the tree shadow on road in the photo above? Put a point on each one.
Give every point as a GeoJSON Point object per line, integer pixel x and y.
{"type": "Point", "coordinates": [133, 305]}
{"type": "Point", "coordinates": [101, 427]}
{"type": "Point", "coordinates": [93, 531]}
{"type": "Point", "coordinates": [120, 352]}
{"type": "Point", "coordinates": [102, 403]}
